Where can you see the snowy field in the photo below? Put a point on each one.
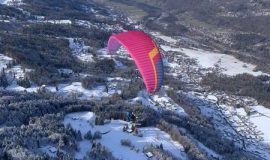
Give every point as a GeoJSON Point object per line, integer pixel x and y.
{"type": "Point", "coordinates": [261, 118]}
{"type": "Point", "coordinates": [84, 121]}
{"type": "Point", "coordinates": [76, 89]}
{"type": "Point", "coordinates": [228, 64]}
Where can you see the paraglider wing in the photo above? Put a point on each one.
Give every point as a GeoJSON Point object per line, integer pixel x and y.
{"type": "Point", "coordinates": [144, 52]}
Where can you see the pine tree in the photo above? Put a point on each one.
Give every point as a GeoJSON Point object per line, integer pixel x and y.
{"type": "Point", "coordinates": [3, 79]}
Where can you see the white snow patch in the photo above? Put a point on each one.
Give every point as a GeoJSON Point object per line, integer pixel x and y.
{"type": "Point", "coordinates": [118, 64]}
{"type": "Point", "coordinates": [4, 60]}
{"type": "Point", "coordinates": [50, 150]}
{"type": "Point", "coordinates": [5, 21]}
{"type": "Point", "coordinates": [18, 71]}
{"type": "Point", "coordinates": [163, 37]}
{"type": "Point", "coordinates": [169, 48]}
{"type": "Point", "coordinates": [84, 147]}
{"type": "Point", "coordinates": [159, 102]}
{"type": "Point", "coordinates": [86, 24]}
{"type": "Point", "coordinates": [80, 50]}
{"type": "Point", "coordinates": [40, 19]}
{"type": "Point", "coordinates": [76, 90]}
{"type": "Point", "coordinates": [15, 87]}
{"type": "Point", "coordinates": [116, 84]}
{"type": "Point", "coordinates": [13, 74]}
{"type": "Point", "coordinates": [100, 26]}
{"type": "Point", "coordinates": [11, 2]}
{"type": "Point", "coordinates": [65, 71]}
{"type": "Point", "coordinates": [118, 79]}
{"type": "Point", "coordinates": [262, 120]}
{"type": "Point", "coordinates": [80, 121]}
{"type": "Point", "coordinates": [166, 102]}
{"type": "Point", "coordinates": [65, 21]}
{"type": "Point", "coordinates": [120, 53]}
{"type": "Point", "coordinates": [212, 98]}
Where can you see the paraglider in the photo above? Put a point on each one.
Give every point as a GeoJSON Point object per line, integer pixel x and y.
{"type": "Point", "coordinates": [145, 54]}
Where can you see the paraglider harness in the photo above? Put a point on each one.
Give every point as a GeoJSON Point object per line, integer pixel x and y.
{"type": "Point", "coordinates": [138, 74]}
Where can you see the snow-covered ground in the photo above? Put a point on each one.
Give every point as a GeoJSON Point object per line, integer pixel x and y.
{"type": "Point", "coordinates": [10, 2]}
{"type": "Point", "coordinates": [116, 84]}
{"type": "Point", "coordinates": [80, 50]}
{"type": "Point", "coordinates": [103, 26]}
{"type": "Point", "coordinates": [84, 121]}
{"type": "Point", "coordinates": [228, 64]}
{"type": "Point", "coordinates": [261, 119]}
{"type": "Point", "coordinates": [258, 120]}
{"type": "Point", "coordinates": [5, 21]}
{"type": "Point", "coordinates": [235, 124]}
{"type": "Point", "coordinates": [63, 21]}
{"type": "Point", "coordinates": [40, 19]}
{"type": "Point", "coordinates": [255, 126]}
{"type": "Point", "coordinates": [120, 53]}
{"type": "Point", "coordinates": [227, 119]}
{"type": "Point", "coordinates": [159, 102]}
{"type": "Point", "coordinates": [86, 24]}
{"type": "Point", "coordinates": [13, 74]}
{"type": "Point", "coordinates": [72, 89]}
{"type": "Point", "coordinates": [163, 37]}
{"type": "Point", "coordinates": [15, 87]}
{"type": "Point", "coordinates": [50, 150]}
{"type": "Point", "coordinates": [18, 71]}
{"type": "Point", "coordinates": [4, 60]}
{"type": "Point", "coordinates": [76, 90]}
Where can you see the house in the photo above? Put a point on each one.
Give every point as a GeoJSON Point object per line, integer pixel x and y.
{"type": "Point", "coordinates": [149, 154]}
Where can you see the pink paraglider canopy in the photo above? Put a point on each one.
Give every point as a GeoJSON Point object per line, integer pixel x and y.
{"type": "Point", "coordinates": [145, 53]}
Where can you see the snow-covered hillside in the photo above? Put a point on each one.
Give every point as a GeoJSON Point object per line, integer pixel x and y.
{"type": "Point", "coordinates": [113, 134]}
{"type": "Point", "coordinates": [252, 126]}
{"type": "Point", "coordinates": [71, 89]}
{"type": "Point", "coordinates": [250, 130]}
